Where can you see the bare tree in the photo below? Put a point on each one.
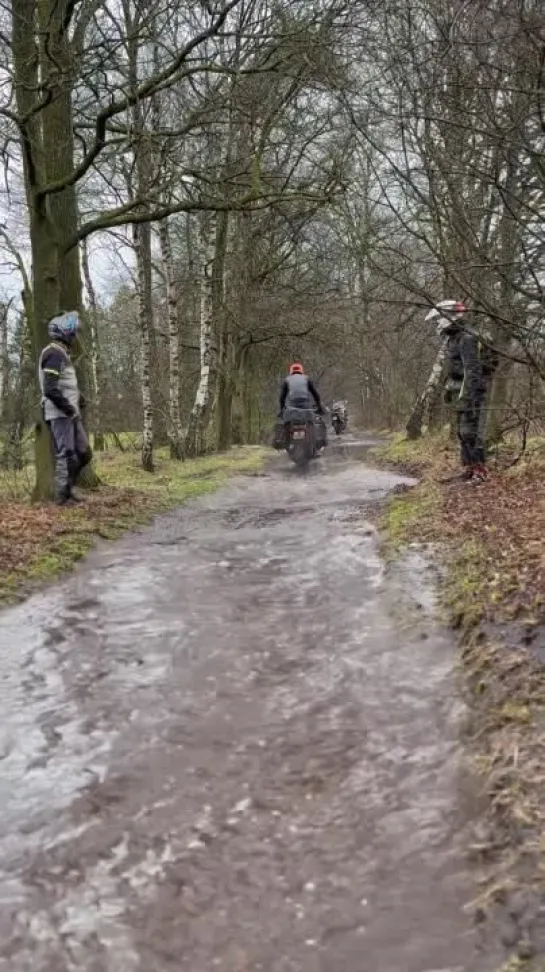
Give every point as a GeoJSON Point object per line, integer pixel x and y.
{"type": "Point", "coordinates": [96, 370]}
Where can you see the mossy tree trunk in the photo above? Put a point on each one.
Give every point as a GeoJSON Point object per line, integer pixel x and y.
{"type": "Point", "coordinates": [57, 64]}
{"type": "Point", "coordinates": [45, 277]}
{"type": "Point", "coordinates": [43, 62]}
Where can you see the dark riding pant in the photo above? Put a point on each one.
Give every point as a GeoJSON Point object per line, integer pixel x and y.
{"type": "Point", "coordinates": [72, 452]}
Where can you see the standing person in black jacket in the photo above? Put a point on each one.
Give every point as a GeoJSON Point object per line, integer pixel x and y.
{"type": "Point", "coordinates": [466, 385]}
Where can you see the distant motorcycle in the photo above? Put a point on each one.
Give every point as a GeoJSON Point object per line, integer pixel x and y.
{"type": "Point", "coordinates": [339, 418]}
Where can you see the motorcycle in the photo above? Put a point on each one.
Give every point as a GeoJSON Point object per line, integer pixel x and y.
{"type": "Point", "coordinates": [301, 432]}
{"type": "Point", "coordinates": [300, 435]}
{"type": "Point", "coordinates": [338, 421]}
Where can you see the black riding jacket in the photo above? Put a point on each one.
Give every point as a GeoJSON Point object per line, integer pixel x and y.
{"type": "Point", "coordinates": [299, 391]}
{"type": "Point", "coordinates": [464, 366]}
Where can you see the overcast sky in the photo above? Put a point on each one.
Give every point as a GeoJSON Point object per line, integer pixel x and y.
{"type": "Point", "coordinates": [110, 264]}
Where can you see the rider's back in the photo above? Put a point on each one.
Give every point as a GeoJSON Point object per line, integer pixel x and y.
{"type": "Point", "coordinates": [298, 392]}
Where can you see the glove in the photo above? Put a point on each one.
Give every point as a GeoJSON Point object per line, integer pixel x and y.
{"type": "Point", "coordinates": [70, 411]}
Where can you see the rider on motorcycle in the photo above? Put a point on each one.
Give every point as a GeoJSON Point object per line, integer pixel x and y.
{"type": "Point", "coordinates": [339, 414]}
{"type": "Point", "coordinates": [298, 391]}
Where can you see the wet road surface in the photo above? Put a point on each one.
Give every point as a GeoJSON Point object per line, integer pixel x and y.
{"type": "Point", "coordinates": [233, 742]}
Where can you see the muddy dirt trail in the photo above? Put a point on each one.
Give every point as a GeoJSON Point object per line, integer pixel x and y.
{"type": "Point", "coordinates": [233, 742]}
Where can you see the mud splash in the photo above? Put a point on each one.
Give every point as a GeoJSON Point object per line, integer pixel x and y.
{"type": "Point", "coordinates": [233, 742]}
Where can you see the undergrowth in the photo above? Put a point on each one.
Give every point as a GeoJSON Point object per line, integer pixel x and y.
{"type": "Point", "coordinates": [492, 541]}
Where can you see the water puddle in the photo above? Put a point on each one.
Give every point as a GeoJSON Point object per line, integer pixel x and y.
{"type": "Point", "coordinates": [234, 741]}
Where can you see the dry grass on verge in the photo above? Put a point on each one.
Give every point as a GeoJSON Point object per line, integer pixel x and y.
{"type": "Point", "coordinates": [492, 538]}
{"type": "Point", "coordinates": [38, 543]}
{"type": "Point", "coordinates": [494, 533]}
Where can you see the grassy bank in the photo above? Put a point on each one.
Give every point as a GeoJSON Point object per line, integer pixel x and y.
{"type": "Point", "coordinates": [491, 539]}
{"type": "Point", "coordinates": [38, 543]}
{"type": "Point", "coordinates": [493, 535]}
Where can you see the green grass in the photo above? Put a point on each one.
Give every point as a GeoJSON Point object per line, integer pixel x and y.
{"type": "Point", "coordinates": [516, 964]}
{"type": "Point", "coordinates": [397, 448]}
{"type": "Point", "coordinates": [175, 481]}
{"type": "Point", "coordinates": [405, 514]}
{"type": "Point", "coordinates": [45, 565]}
{"type": "Point", "coordinates": [63, 554]}
{"type": "Point", "coordinates": [464, 595]}
{"type": "Point", "coordinates": [427, 453]}
{"type": "Point", "coordinates": [16, 484]}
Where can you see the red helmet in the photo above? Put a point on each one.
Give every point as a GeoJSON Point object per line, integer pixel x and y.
{"type": "Point", "coordinates": [296, 369]}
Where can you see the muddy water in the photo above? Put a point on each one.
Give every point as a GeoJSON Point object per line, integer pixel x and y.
{"type": "Point", "coordinates": [233, 742]}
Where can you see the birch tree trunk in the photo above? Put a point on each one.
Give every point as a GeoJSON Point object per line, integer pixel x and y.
{"type": "Point", "coordinates": [499, 383]}
{"type": "Point", "coordinates": [195, 439]}
{"type": "Point", "coordinates": [221, 332]}
{"type": "Point", "coordinates": [96, 377]}
{"type": "Point", "coordinates": [235, 261]}
{"type": "Point", "coordinates": [422, 405]}
{"type": "Point", "coordinates": [22, 394]}
{"type": "Point", "coordinates": [142, 238]}
{"type": "Point", "coordinates": [143, 159]}
{"type": "Point", "coordinates": [142, 246]}
{"type": "Point", "coordinates": [175, 421]}
{"type": "Point", "coordinates": [4, 364]}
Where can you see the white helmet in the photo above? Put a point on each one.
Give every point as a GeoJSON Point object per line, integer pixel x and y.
{"type": "Point", "coordinates": [446, 313]}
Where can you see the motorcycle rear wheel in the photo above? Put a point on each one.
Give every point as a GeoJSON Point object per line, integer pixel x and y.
{"type": "Point", "coordinates": [299, 453]}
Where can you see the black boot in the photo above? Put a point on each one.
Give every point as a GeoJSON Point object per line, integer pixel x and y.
{"type": "Point", "coordinates": [67, 498]}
